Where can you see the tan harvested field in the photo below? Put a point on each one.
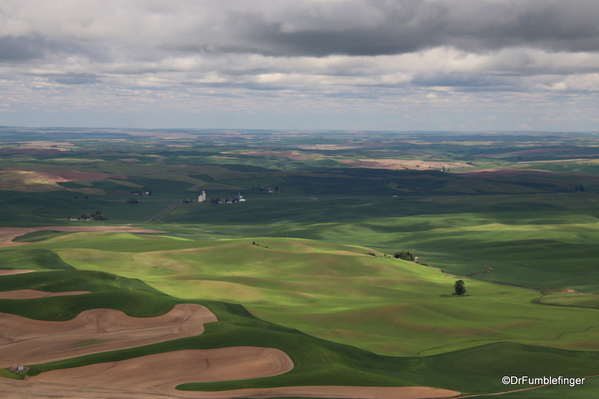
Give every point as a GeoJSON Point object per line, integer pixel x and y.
{"type": "Point", "coordinates": [329, 147]}
{"type": "Point", "coordinates": [27, 180]}
{"type": "Point", "coordinates": [55, 145]}
{"type": "Point", "coordinates": [399, 164]}
{"type": "Point", "coordinates": [11, 272]}
{"type": "Point", "coordinates": [286, 154]}
{"type": "Point", "coordinates": [511, 153]}
{"type": "Point", "coordinates": [563, 160]}
{"type": "Point", "coordinates": [7, 234]}
{"type": "Point", "coordinates": [28, 341]}
{"type": "Point", "coordinates": [30, 294]}
{"type": "Point", "coordinates": [49, 177]}
{"type": "Point", "coordinates": [495, 172]}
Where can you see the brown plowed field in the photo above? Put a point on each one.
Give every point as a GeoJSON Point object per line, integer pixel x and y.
{"type": "Point", "coordinates": [160, 373]}
{"type": "Point", "coordinates": [36, 389]}
{"type": "Point", "coordinates": [27, 341]}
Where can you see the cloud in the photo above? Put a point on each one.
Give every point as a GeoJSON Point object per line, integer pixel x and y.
{"type": "Point", "coordinates": [20, 48]}
{"type": "Point", "coordinates": [467, 81]}
{"type": "Point", "coordinates": [76, 78]}
{"type": "Point", "coordinates": [303, 53]}
{"type": "Point", "coordinates": [310, 28]}
{"type": "Point", "coordinates": [396, 27]}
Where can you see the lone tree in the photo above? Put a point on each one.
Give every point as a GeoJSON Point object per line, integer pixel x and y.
{"type": "Point", "coordinates": [459, 287]}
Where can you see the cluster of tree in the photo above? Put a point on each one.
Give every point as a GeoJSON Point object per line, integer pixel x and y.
{"type": "Point", "coordinates": [225, 201]}
{"type": "Point", "coordinates": [258, 245]}
{"type": "Point", "coordinates": [137, 192]}
{"type": "Point", "coordinates": [579, 188]}
{"type": "Point", "coordinates": [93, 216]}
{"type": "Point", "coordinates": [75, 197]}
{"type": "Point", "coordinates": [269, 189]}
{"type": "Point", "coordinates": [132, 201]}
{"type": "Point", "coordinates": [405, 255]}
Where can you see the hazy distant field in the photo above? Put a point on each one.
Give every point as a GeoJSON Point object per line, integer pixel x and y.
{"type": "Point", "coordinates": [515, 216]}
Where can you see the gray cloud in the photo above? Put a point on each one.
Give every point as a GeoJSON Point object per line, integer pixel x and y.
{"type": "Point", "coordinates": [308, 28]}
{"type": "Point", "coordinates": [412, 25]}
{"type": "Point", "coordinates": [21, 48]}
{"type": "Point", "coordinates": [76, 78]}
{"type": "Point", "coordinates": [25, 48]}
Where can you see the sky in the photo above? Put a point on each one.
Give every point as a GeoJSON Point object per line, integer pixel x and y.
{"type": "Point", "coordinates": [459, 65]}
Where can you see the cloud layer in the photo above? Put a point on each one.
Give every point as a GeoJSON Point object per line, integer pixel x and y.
{"type": "Point", "coordinates": [441, 63]}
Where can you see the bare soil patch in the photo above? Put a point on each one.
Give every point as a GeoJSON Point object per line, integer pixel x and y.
{"type": "Point", "coordinates": [28, 341]}
{"type": "Point", "coordinates": [399, 164]}
{"type": "Point", "coordinates": [30, 294]}
{"type": "Point", "coordinates": [7, 234]}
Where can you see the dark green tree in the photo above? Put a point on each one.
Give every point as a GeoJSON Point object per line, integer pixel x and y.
{"type": "Point", "coordinates": [459, 287]}
{"type": "Point", "coordinates": [405, 255]}
{"type": "Point", "coordinates": [99, 216]}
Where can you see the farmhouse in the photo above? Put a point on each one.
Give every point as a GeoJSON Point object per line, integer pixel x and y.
{"type": "Point", "coordinates": [16, 368]}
